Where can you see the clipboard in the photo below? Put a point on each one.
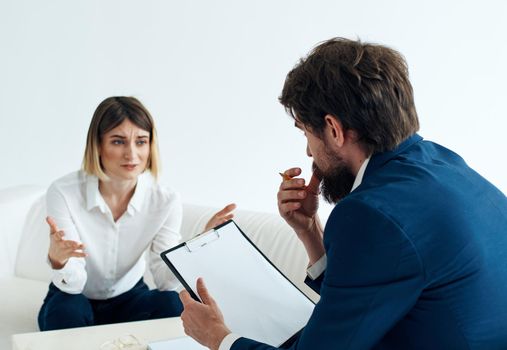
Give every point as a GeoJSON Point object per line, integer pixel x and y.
{"type": "Point", "coordinates": [256, 299]}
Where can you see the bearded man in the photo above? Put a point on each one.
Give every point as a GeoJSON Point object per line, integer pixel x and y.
{"type": "Point", "coordinates": [414, 254]}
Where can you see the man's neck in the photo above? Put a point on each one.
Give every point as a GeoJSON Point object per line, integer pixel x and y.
{"type": "Point", "coordinates": [356, 157]}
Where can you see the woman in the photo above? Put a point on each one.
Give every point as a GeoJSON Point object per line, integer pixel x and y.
{"type": "Point", "coordinates": [104, 217]}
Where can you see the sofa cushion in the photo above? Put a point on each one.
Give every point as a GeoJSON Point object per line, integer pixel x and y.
{"type": "Point", "coordinates": [21, 302]}
{"type": "Point", "coordinates": [15, 203]}
{"type": "Point", "coordinates": [31, 261]}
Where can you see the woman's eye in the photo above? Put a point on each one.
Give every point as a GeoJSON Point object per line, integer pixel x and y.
{"type": "Point", "coordinates": [141, 142]}
{"type": "Point", "coordinates": [117, 142]}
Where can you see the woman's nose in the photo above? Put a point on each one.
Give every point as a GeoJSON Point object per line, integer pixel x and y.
{"type": "Point", "coordinates": [129, 152]}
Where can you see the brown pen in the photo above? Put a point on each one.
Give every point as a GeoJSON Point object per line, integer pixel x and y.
{"type": "Point", "coordinates": [285, 176]}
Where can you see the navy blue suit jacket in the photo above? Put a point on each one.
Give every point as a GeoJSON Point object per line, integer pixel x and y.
{"type": "Point", "coordinates": [417, 259]}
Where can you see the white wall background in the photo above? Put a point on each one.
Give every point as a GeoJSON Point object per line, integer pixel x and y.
{"type": "Point", "coordinates": [210, 73]}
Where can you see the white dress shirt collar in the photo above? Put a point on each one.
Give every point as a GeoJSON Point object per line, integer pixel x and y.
{"type": "Point", "coordinates": [360, 174]}
{"type": "Point", "coordinates": [94, 198]}
{"type": "Point", "coordinates": [144, 181]}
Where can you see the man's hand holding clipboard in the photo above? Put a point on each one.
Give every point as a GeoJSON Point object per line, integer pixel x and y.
{"type": "Point", "coordinates": [208, 328]}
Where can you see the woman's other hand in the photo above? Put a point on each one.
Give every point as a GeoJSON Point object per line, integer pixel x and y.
{"type": "Point", "coordinates": [60, 250]}
{"type": "Point", "coordinates": [220, 217]}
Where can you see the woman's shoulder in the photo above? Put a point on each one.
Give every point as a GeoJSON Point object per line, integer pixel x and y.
{"type": "Point", "coordinates": [70, 182]}
{"type": "Point", "coordinates": [160, 193]}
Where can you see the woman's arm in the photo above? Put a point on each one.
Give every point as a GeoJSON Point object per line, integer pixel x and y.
{"type": "Point", "coordinates": [168, 236]}
{"type": "Point", "coordinates": [68, 265]}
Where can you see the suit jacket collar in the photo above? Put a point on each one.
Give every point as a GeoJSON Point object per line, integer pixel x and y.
{"type": "Point", "coordinates": [379, 159]}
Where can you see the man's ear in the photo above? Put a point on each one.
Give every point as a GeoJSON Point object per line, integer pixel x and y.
{"type": "Point", "coordinates": [334, 130]}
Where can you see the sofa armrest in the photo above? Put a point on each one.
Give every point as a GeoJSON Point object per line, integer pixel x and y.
{"type": "Point", "coordinates": [15, 203]}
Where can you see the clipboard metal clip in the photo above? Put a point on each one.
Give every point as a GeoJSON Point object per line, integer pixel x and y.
{"type": "Point", "coordinates": [202, 240]}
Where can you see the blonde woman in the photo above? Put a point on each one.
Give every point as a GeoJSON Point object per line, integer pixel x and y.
{"type": "Point", "coordinates": [104, 217]}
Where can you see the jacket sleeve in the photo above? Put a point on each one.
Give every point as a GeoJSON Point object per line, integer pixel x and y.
{"type": "Point", "coordinates": [373, 278]}
{"type": "Point", "coordinates": [72, 277]}
{"type": "Point", "coordinates": [316, 283]}
{"type": "Point", "coordinates": [167, 237]}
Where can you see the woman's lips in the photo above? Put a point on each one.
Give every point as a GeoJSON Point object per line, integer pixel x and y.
{"type": "Point", "coordinates": [129, 166]}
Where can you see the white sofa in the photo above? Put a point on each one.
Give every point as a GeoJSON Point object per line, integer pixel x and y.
{"type": "Point", "coordinates": [24, 274]}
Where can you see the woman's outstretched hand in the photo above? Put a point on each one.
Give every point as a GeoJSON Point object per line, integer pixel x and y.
{"type": "Point", "coordinates": [220, 217]}
{"type": "Point", "coordinates": [60, 250]}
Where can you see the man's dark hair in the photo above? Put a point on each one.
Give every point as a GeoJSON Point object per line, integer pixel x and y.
{"type": "Point", "coordinates": [365, 86]}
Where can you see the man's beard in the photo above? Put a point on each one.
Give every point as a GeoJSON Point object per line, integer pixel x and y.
{"type": "Point", "coordinates": [337, 183]}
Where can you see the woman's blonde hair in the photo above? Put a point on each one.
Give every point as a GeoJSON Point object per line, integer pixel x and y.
{"type": "Point", "coordinates": [109, 114]}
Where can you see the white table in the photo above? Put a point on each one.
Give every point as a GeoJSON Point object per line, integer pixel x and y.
{"type": "Point", "coordinates": [91, 338]}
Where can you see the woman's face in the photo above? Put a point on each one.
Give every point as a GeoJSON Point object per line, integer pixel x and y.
{"type": "Point", "coordinates": [124, 151]}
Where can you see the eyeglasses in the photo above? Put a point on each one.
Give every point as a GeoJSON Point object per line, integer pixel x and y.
{"type": "Point", "coordinates": [124, 342]}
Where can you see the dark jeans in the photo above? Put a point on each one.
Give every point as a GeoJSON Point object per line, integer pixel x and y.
{"type": "Point", "coordinates": [62, 310]}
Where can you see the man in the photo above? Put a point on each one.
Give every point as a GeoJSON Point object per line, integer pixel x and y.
{"type": "Point", "coordinates": [414, 254]}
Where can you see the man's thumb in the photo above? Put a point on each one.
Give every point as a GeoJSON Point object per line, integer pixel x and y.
{"type": "Point", "coordinates": [203, 292]}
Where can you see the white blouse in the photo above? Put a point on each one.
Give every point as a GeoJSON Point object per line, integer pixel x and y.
{"type": "Point", "coordinates": [115, 260]}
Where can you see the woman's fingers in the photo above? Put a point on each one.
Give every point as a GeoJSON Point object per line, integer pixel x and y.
{"type": "Point", "coordinates": [77, 254]}
{"type": "Point", "coordinates": [72, 244]}
{"type": "Point", "coordinates": [219, 221]}
{"type": "Point", "coordinates": [226, 210]}
{"type": "Point", "coordinates": [54, 232]}
{"type": "Point", "coordinates": [57, 237]}
{"type": "Point", "coordinates": [228, 217]}
{"type": "Point", "coordinates": [221, 216]}
{"type": "Point", "coordinates": [60, 249]}
{"type": "Point", "coordinates": [224, 214]}
{"type": "Point", "coordinates": [53, 228]}
{"type": "Point", "coordinates": [71, 251]}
